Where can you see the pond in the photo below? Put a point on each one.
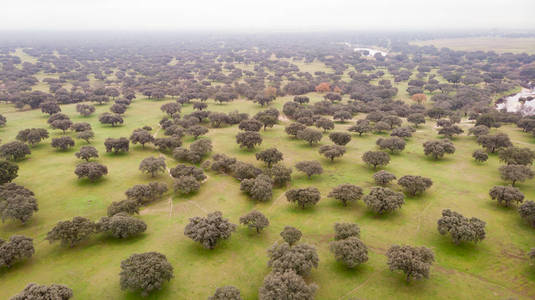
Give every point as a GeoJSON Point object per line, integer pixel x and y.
{"type": "Point", "coordinates": [519, 102]}
{"type": "Point", "coordinates": [366, 50]}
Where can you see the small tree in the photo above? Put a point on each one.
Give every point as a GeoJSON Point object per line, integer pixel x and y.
{"type": "Point", "coordinates": [86, 136]}
{"type": "Point", "coordinates": [480, 156]}
{"type": "Point", "coordinates": [209, 230]}
{"type": "Point", "coordinates": [71, 233]}
{"type": "Point", "coordinates": [50, 107]}
{"type": "Point", "coordinates": [226, 293]}
{"type": "Point", "coordinates": [294, 128]}
{"type": "Point", "coordinates": [145, 272]}
{"type": "Point", "coordinates": [286, 285]}
{"type": "Point", "coordinates": [250, 125]}
{"type": "Point", "coordinates": [309, 167]}
{"type": "Point", "coordinates": [383, 200]}
{"type": "Point", "coordinates": [376, 158]}
{"type": "Point", "coordinates": [416, 119]}
{"type": "Point", "coordinates": [270, 156]}
{"type": "Point", "coordinates": [248, 139]}
{"type": "Point", "coordinates": [450, 131]}
{"type": "Point", "coordinates": [438, 148]}
{"type": "Point", "coordinates": [196, 131]}
{"type": "Point", "coordinates": [142, 137]}
{"type": "Point", "coordinates": [86, 153]}
{"type": "Point", "coordinates": [112, 119]}
{"type": "Point", "coordinates": [63, 143]}
{"type": "Point", "coordinates": [415, 185]}
{"type": "Point", "coordinates": [128, 206]}
{"type": "Point", "coordinates": [310, 135]}
{"type": "Point", "coordinates": [394, 144]}
{"type": "Point", "coordinates": [515, 173]}
{"type": "Point", "coordinates": [63, 125]}
{"type": "Point", "coordinates": [53, 291]}
{"type": "Point", "coordinates": [153, 165]}
{"type": "Point", "coordinates": [342, 115]}
{"type": "Point", "coordinates": [332, 151]}
{"type": "Point", "coordinates": [340, 138]}
{"type": "Point", "coordinates": [117, 145]}
{"type": "Point", "coordinates": [478, 130]}
{"type": "Point", "coordinates": [91, 170]}
{"type": "Point", "coordinates": [324, 123]}
{"type": "Point", "coordinates": [121, 226]}
{"type": "Point", "coordinates": [291, 235]}
{"type": "Point", "coordinates": [413, 261]}
{"type": "Point", "coordinates": [280, 175]}
{"type": "Point", "coordinates": [146, 193]}
{"type": "Point", "coordinates": [527, 212]}
{"type": "Point", "coordinates": [383, 177]}
{"type": "Point", "coordinates": [506, 195]}
{"type": "Point", "coordinates": [171, 108]}
{"type": "Point", "coordinates": [255, 220]}
{"type": "Point", "coordinates": [461, 228]}
{"type": "Point", "coordinates": [346, 193]}
{"type": "Point", "coordinates": [362, 126]}
{"type": "Point", "coordinates": [85, 110]}
{"type": "Point", "coordinates": [304, 197]}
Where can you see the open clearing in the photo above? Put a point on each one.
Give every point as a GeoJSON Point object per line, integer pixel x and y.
{"type": "Point", "coordinates": [497, 44]}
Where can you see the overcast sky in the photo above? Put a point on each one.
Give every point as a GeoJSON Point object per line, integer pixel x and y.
{"type": "Point", "coordinates": [251, 15]}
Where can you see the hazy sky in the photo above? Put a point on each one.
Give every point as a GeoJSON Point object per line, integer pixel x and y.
{"type": "Point", "coordinates": [253, 15]}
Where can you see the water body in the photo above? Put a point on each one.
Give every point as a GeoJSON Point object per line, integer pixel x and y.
{"type": "Point", "coordinates": [370, 51]}
{"type": "Point", "coordinates": [513, 104]}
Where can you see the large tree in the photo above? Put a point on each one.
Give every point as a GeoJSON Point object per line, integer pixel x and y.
{"type": "Point", "coordinates": [209, 230]}
{"type": "Point", "coordinates": [494, 142]}
{"type": "Point", "coordinates": [527, 212]}
{"type": "Point", "coordinates": [32, 136]}
{"type": "Point", "coordinates": [376, 158]}
{"type": "Point", "coordinates": [121, 225]}
{"type": "Point", "coordinates": [269, 156]}
{"type": "Point", "coordinates": [8, 171]}
{"type": "Point", "coordinates": [346, 193]}
{"type": "Point", "coordinates": [71, 233]}
{"type": "Point", "coordinates": [506, 195]}
{"type": "Point", "coordinates": [248, 139]}
{"type": "Point", "coordinates": [17, 248]}
{"type": "Point", "coordinates": [286, 285]}
{"type": "Point", "coordinates": [310, 135]}
{"type": "Point", "coordinates": [153, 165]}
{"type": "Point", "coordinates": [44, 292]}
{"type": "Point", "coordinates": [383, 200]}
{"type": "Point", "coordinates": [259, 188]}
{"type": "Point", "coordinates": [350, 251]}
{"type": "Point", "coordinates": [461, 228]}
{"type": "Point", "coordinates": [145, 272]}
{"type": "Point", "coordinates": [516, 156]}
{"type": "Point", "coordinates": [415, 262]}
{"type": "Point", "coordinates": [91, 170]}
{"type": "Point", "coordinates": [438, 148]}
{"type": "Point", "coordinates": [142, 137]}
{"type": "Point", "coordinates": [304, 197]}
{"type": "Point", "coordinates": [515, 173]}
{"type": "Point", "coordinates": [415, 185]}
{"type": "Point", "coordinates": [332, 151]}
{"type": "Point", "coordinates": [300, 258]}
{"type": "Point", "coordinates": [309, 167]}
{"type": "Point", "coordinates": [14, 150]}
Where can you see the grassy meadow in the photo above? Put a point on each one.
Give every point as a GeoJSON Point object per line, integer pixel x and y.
{"type": "Point", "coordinates": [496, 44]}
{"type": "Point", "coordinates": [496, 268]}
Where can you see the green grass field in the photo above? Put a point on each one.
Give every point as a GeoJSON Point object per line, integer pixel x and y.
{"type": "Point", "coordinates": [497, 44]}
{"type": "Point", "coordinates": [497, 268]}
